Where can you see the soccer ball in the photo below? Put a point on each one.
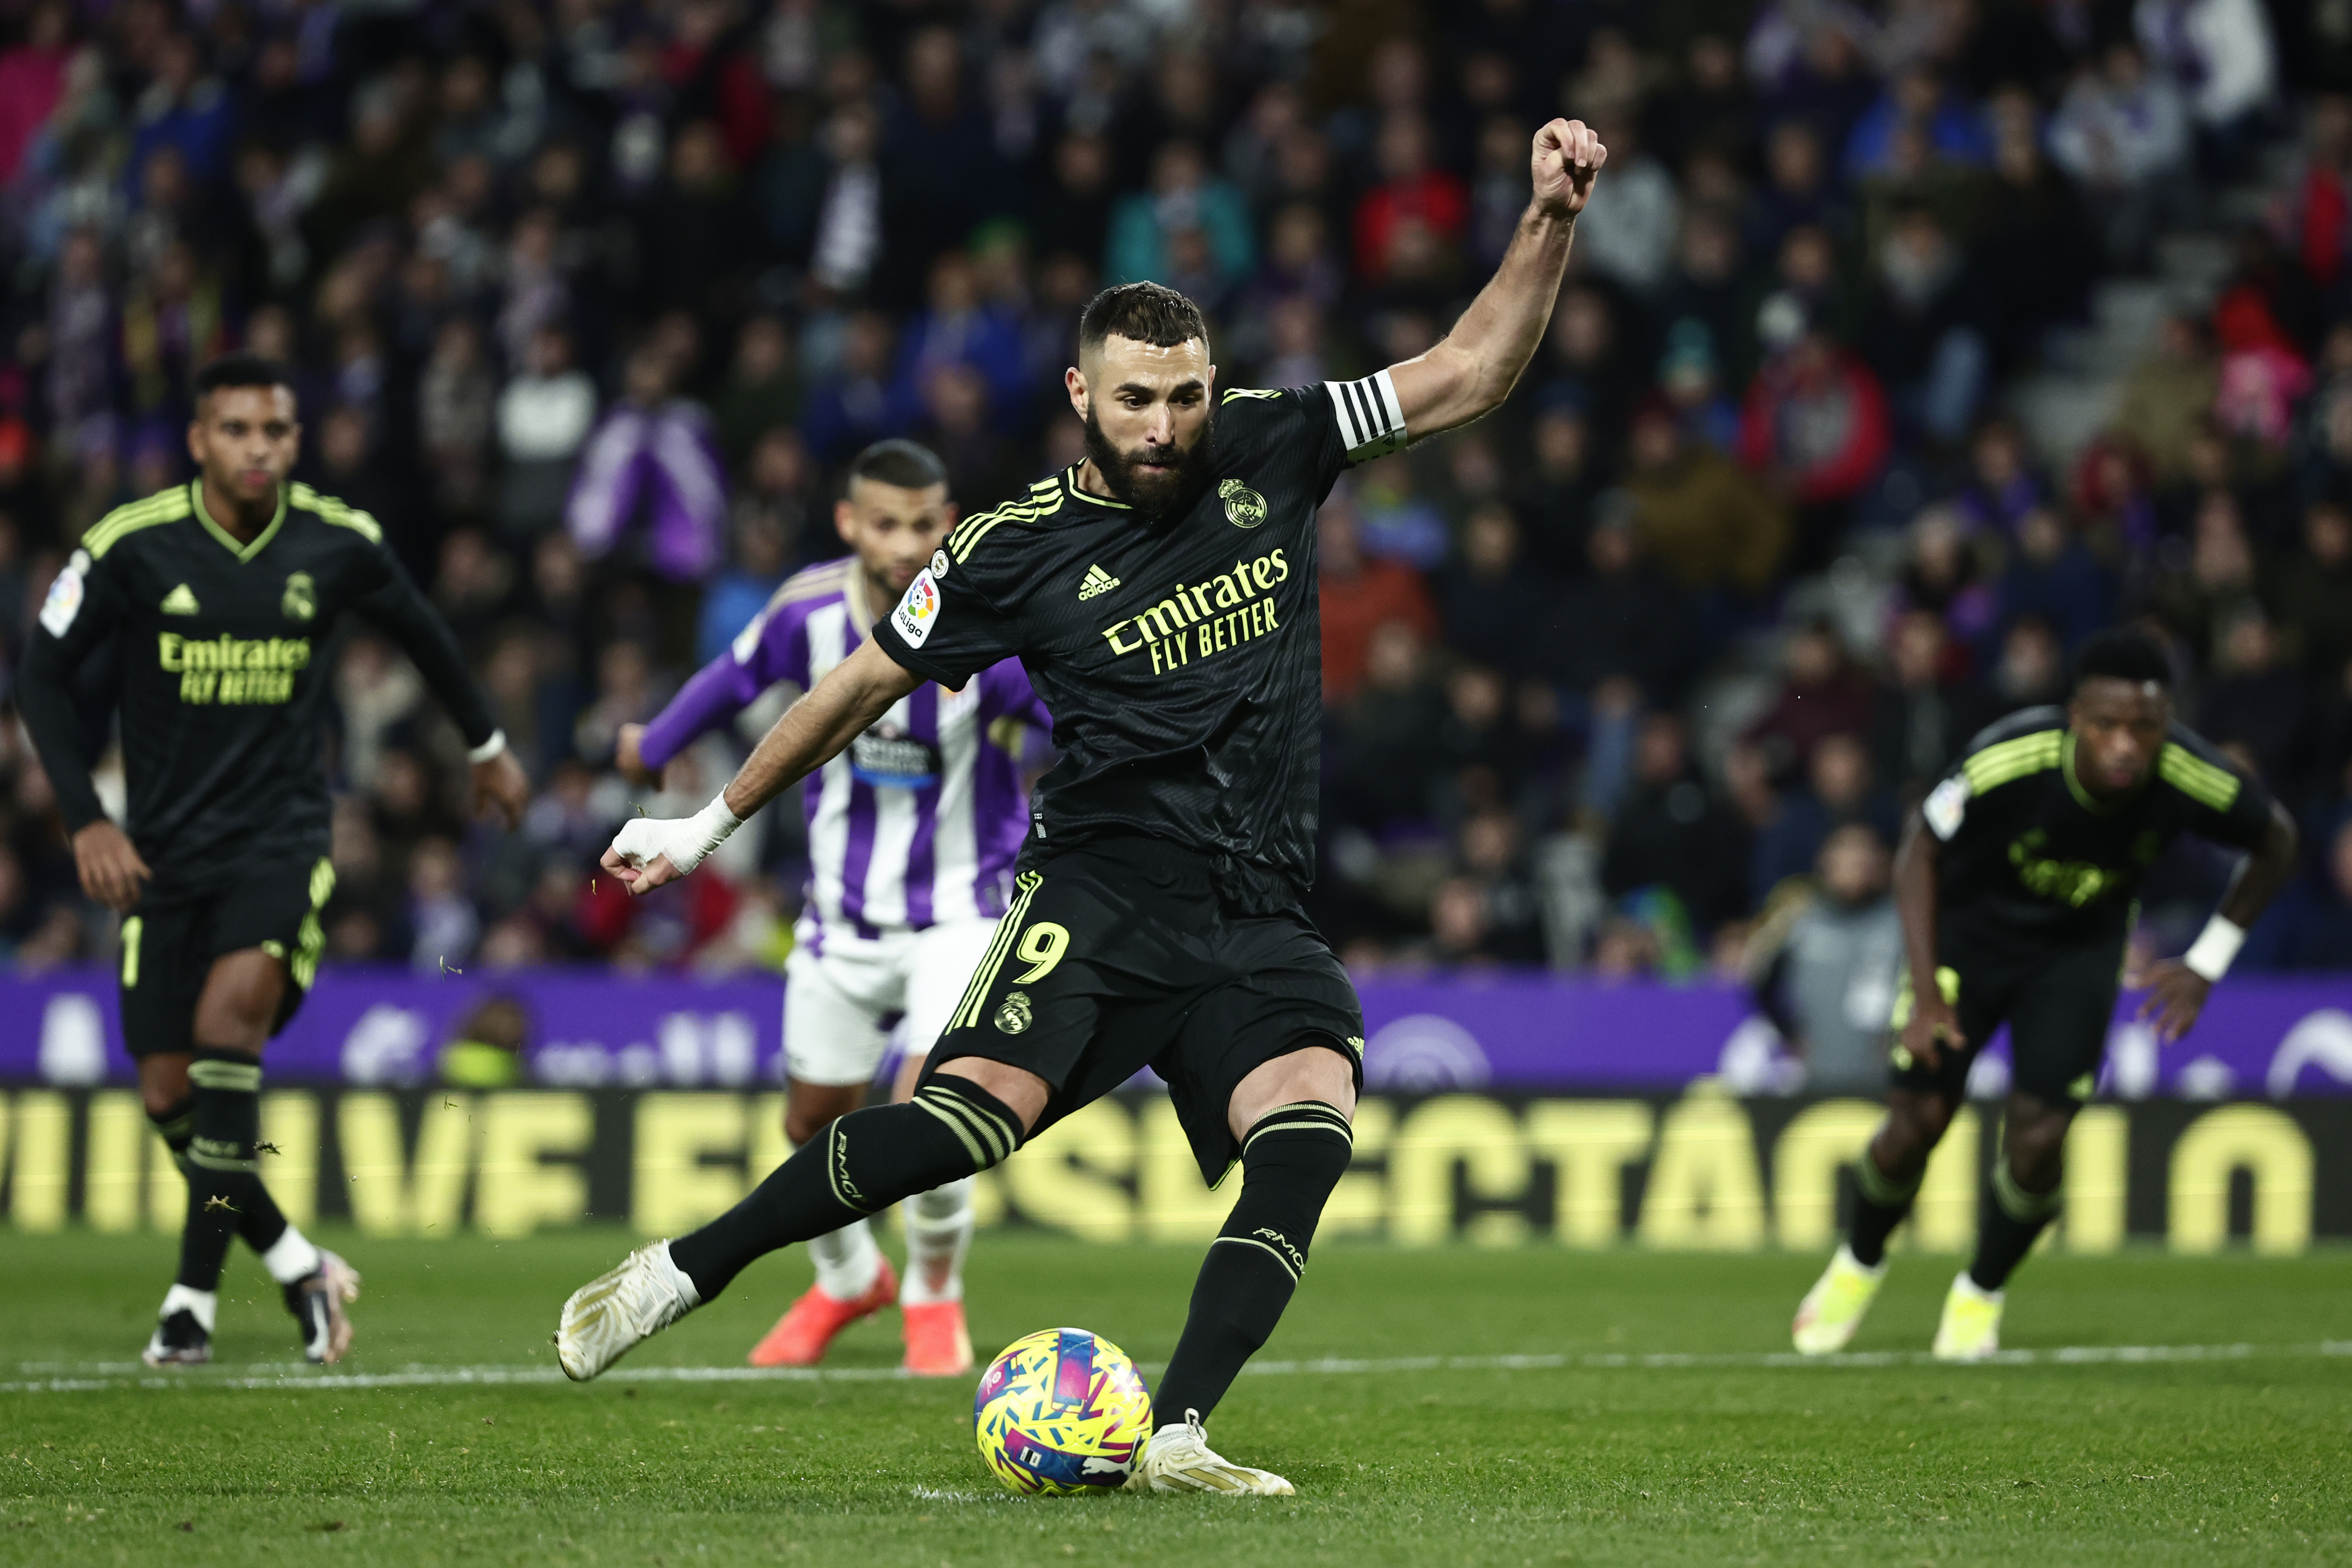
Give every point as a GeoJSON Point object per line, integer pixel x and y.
{"type": "Point", "coordinates": [1061, 1412]}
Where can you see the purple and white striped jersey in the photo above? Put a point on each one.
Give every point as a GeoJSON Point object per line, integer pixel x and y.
{"type": "Point", "coordinates": [918, 820]}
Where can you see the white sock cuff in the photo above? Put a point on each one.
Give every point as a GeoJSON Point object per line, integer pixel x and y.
{"type": "Point", "coordinates": [1846, 1252]}
{"type": "Point", "coordinates": [291, 1257]}
{"type": "Point", "coordinates": [204, 1304]}
{"type": "Point", "coordinates": [1964, 1286]}
{"type": "Point", "coordinates": [847, 1261]}
{"type": "Point", "coordinates": [680, 1279]}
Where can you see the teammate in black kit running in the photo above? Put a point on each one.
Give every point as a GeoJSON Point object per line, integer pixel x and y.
{"type": "Point", "coordinates": [2015, 884]}
{"type": "Point", "coordinates": [221, 599]}
{"type": "Point", "coordinates": [1162, 596]}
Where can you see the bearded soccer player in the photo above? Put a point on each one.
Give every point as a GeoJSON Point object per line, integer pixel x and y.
{"type": "Point", "coordinates": [2015, 885]}
{"type": "Point", "coordinates": [1161, 595]}
{"type": "Point", "coordinates": [912, 833]}
{"type": "Point", "coordinates": [223, 597]}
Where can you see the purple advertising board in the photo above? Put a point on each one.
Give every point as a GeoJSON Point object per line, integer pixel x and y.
{"type": "Point", "coordinates": [585, 1028]}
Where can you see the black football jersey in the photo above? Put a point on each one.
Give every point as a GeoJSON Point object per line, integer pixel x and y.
{"type": "Point", "coordinates": [2031, 859]}
{"type": "Point", "coordinates": [225, 672]}
{"type": "Point", "coordinates": [1181, 657]}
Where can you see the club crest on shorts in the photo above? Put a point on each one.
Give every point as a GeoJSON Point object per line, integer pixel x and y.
{"type": "Point", "coordinates": [301, 600]}
{"type": "Point", "coordinates": [1245, 508]}
{"type": "Point", "coordinates": [1012, 1012]}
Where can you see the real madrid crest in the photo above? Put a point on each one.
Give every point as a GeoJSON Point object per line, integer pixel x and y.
{"type": "Point", "coordinates": [1013, 1014]}
{"type": "Point", "coordinates": [301, 601]}
{"type": "Point", "coordinates": [1245, 508]}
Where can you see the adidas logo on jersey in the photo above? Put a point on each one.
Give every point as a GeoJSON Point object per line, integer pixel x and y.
{"type": "Point", "coordinates": [180, 601]}
{"type": "Point", "coordinates": [1098, 582]}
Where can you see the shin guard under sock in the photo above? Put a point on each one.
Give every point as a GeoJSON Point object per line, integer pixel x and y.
{"type": "Point", "coordinates": [1880, 1202]}
{"type": "Point", "coordinates": [859, 1165]}
{"type": "Point", "coordinates": [2007, 1224]}
{"type": "Point", "coordinates": [222, 1163]}
{"type": "Point", "coordinates": [1291, 1160]}
{"type": "Point", "coordinates": [260, 1223]}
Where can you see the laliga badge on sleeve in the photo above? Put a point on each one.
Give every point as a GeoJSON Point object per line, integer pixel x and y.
{"type": "Point", "coordinates": [919, 611]}
{"type": "Point", "coordinates": [1945, 805]}
{"type": "Point", "coordinates": [64, 603]}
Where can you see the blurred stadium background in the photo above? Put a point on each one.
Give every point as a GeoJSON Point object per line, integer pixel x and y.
{"type": "Point", "coordinates": [1905, 345]}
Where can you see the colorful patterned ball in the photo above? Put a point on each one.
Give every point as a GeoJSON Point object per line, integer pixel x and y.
{"type": "Point", "coordinates": [1061, 1412]}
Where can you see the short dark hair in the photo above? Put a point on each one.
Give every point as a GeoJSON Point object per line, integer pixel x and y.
{"type": "Point", "coordinates": [240, 370]}
{"type": "Point", "coordinates": [910, 465]}
{"type": "Point", "coordinates": [1145, 313]}
{"type": "Point", "coordinates": [2123, 653]}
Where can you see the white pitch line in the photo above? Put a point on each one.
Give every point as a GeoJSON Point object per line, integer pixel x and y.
{"type": "Point", "coordinates": [99, 1377]}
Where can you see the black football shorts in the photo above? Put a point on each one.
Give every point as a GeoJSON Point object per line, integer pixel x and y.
{"type": "Point", "coordinates": [1118, 956]}
{"type": "Point", "coordinates": [169, 943]}
{"type": "Point", "coordinates": [2057, 1003]}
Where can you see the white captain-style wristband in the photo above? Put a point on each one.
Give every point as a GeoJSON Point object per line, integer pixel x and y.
{"type": "Point", "coordinates": [2215, 946]}
{"type": "Point", "coordinates": [489, 750]}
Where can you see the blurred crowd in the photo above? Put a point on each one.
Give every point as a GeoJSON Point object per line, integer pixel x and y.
{"type": "Point", "coordinates": [591, 300]}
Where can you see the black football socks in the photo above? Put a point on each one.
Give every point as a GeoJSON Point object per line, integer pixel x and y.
{"type": "Point", "coordinates": [1880, 1202]}
{"type": "Point", "coordinates": [2008, 1221]}
{"type": "Point", "coordinates": [1291, 1160]}
{"type": "Point", "coordinates": [859, 1165]}
{"type": "Point", "coordinates": [260, 1223]}
{"type": "Point", "coordinates": [222, 1162]}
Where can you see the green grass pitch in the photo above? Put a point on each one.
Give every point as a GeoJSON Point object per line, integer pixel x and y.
{"type": "Point", "coordinates": [1587, 1454]}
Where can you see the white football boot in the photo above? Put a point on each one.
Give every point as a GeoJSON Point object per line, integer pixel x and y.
{"type": "Point", "coordinates": [1971, 1328]}
{"type": "Point", "coordinates": [1834, 1309]}
{"type": "Point", "coordinates": [612, 1314]}
{"type": "Point", "coordinates": [319, 1302]}
{"type": "Point", "coordinates": [1178, 1459]}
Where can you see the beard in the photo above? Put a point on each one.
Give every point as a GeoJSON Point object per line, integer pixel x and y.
{"type": "Point", "coordinates": [1157, 493]}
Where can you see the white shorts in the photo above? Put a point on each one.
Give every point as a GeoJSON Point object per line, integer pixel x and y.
{"type": "Point", "coordinates": [834, 1005]}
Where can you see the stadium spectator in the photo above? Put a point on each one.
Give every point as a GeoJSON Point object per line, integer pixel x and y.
{"type": "Point", "coordinates": [1555, 494]}
{"type": "Point", "coordinates": [1481, 596]}
{"type": "Point", "coordinates": [1623, 620]}
{"type": "Point", "coordinates": [1821, 694]}
{"type": "Point", "coordinates": [1359, 593]}
{"type": "Point", "coordinates": [1925, 712]}
{"type": "Point", "coordinates": [652, 464]}
{"type": "Point", "coordinates": [1837, 790]}
{"type": "Point", "coordinates": [2122, 134]}
{"type": "Point", "coordinates": [2314, 594]}
{"type": "Point", "coordinates": [1705, 522]}
{"type": "Point", "coordinates": [1816, 421]}
{"type": "Point", "coordinates": [1825, 961]}
{"type": "Point", "coordinates": [1672, 835]}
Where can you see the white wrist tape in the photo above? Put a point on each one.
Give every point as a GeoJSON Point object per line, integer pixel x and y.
{"type": "Point", "coordinates": [686, 841]}
{"type": "Point", "coordinates": [2215, 946]}
{"type": "Point", "coordinates": [489, 750]}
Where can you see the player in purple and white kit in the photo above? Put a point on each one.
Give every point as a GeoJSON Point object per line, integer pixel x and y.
{"type": "Point", "coordinates": [912, 832]}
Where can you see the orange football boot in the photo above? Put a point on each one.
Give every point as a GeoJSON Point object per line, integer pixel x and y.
{"type": "Point", "coordinates": [802, 1334]}
{"type": "Point", "coordinates": [936, 1343]}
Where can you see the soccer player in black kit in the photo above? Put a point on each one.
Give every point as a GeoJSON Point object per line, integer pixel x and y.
{"type": "Point", "coordinates": [2015, 883]}
{"type": "Point", "coordinates": [221, 599]}
{"type": "Point", "coordinates": [1162, 595]}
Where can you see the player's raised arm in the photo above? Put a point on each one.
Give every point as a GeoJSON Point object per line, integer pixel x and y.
{"type": "Point", "coordinates": [403, 612]}
{"type": "Point", "coordinates": [650, 852]}
{"type": "Point", "coordinates": [1474, 368]}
